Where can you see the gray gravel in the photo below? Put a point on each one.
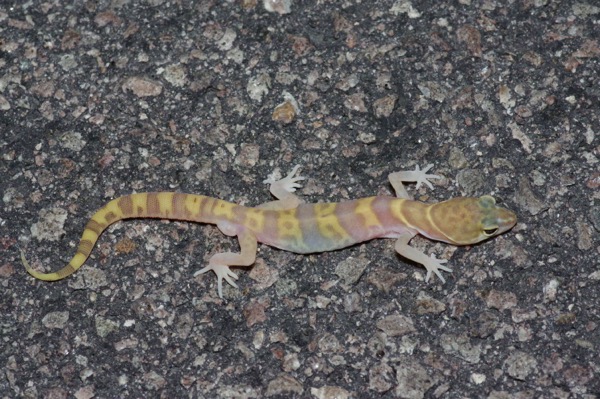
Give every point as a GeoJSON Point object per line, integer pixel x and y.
{"type": "Point", "coordinates": [104, 98]}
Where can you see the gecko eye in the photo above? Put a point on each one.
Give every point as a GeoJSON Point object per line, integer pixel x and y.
{"type": "Point", "coordinates": [490, 232]}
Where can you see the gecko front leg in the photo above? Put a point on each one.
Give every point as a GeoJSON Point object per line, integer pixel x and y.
{"type": "Point", "coordinates": [418, 176]}
{"type": "Point", "coordinates": [397, 181]}
{"type": "Point", "coordinates": [430, 263]}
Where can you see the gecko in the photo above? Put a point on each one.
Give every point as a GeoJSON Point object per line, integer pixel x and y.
{"type": "Point", "coordinates": [290, 224]}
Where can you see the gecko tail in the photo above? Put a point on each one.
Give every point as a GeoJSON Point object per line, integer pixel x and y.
{"type": "Point", "coordinates": [53, 276]}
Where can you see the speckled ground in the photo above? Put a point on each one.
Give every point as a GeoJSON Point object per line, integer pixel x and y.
{"type": "Point", "coordinates": [103, 98]}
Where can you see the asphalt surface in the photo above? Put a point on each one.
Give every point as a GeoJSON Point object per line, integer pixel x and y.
{"type": "Point", "coordinates": [104, 98]}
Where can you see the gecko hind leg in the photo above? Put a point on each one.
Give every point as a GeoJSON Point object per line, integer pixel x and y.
{"type": "Point", "coordinates": [220, 263]}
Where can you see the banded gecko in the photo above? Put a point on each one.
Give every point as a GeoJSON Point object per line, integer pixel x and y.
{"type": "Point", "coordinates": [292, 225]}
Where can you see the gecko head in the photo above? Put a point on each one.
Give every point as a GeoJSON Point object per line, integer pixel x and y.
{"type": "Point", "coordinates": [467, 220]}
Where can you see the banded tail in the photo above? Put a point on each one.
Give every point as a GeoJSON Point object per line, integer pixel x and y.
{"type": "Point", "coordinates": [161, 205]}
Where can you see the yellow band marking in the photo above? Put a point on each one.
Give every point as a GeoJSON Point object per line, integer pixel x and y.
{"type": "Point", "coordinates": [77, 260]}
{"type": "Point", "coordinates": [165, 203]}
{"type": "Point", "coordinates": [90, 235]}
{"type": "Point", "coordinates": [328, 223]}
{"type": "Point", "coordinates": [137, 204]}
{"type": "Point", "coordinates": [288, 225]}
{"type": "Point", "coordinates": [193, 205]}
{"type": "Point", "coordinates": [255, 219]}
{"type": "Point", "coordinates": [365, 211]}
{"type": "Point", "coordinates": [223, 208]}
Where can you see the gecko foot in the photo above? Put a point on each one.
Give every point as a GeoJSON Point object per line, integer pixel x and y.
{"type": "Point", "coordinates": [222, 272]}
{"type": "Point", "coordinates": [288, 183]}
{"type": "Point", "coordinates": [421, 176]}
{"type": "Point", "coordinates": [434, 265]}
